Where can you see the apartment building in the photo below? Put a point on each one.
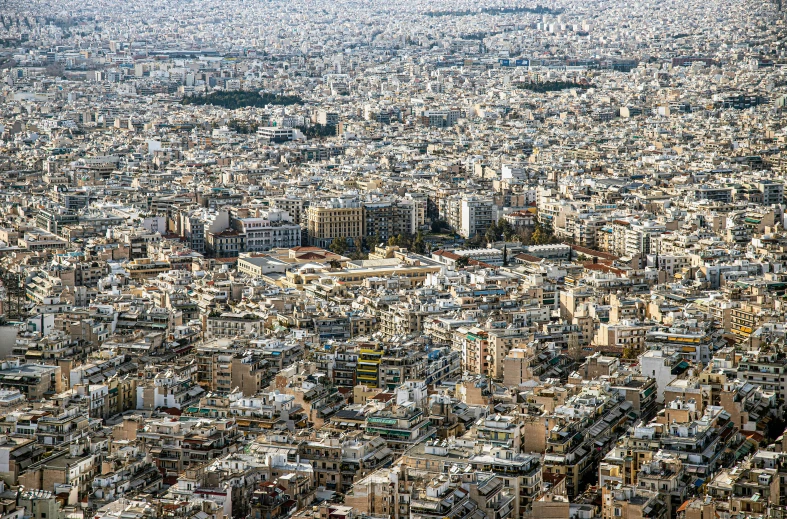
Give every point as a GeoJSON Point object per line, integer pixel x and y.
{"type": "Point", "coordinates": [521, 473]}
{"type": "Point", "coordinates": [294, 206]}
{"type": "Point", "coordinates": [274, 229]}
{"type": "Point", "coordinates": [176, 446]}
{"type": "Point", "coordinates": [334, 218]}
{"type": "Point", "coordinates": [35, 381]}
{"type": "Point", "coordinates": [476, 214]}
{"type": "Point", "coordinates": [401, 426]}
{"type": "Point", "coordinates": [389, 218]}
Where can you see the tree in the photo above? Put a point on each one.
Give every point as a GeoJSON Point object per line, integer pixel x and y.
{"type": "Point", "coordinates": [358, 249]}
{"type": "Point", "coordinates": [318, 131]}
{"type": "Point", "coordinates": [629, 353]}
{"type": "Point", "coordinates": [440, 225]}
{"type": "Point", "coordinates": [574, 348]}
{"type": "Point", "coordinates": [404, 241]}
{"type": "Point", "coordinates": [335, 264]}
{"type": "Point", "coordinates": [505, 228]}
{"type": "Point", "coordinates": [525, 235]}
{"type": "Point", "coordinates": [551, 86]}
{"type": "Point", "coordinates": [339, 245]}
{"type": "Point", "coordinates": [232, 99]}
{"type": "Point", "coordinates": [505, 255]}
{"type": "Point", "coordinates": [55, 70]}
{"type": "Point", "coordinates": [419, 247]}
{"type": "Point", "coordinates": [373, 241]}
{"type": "Point", "coordinates": [539, 237]}
{"type": "Point", "coordinates": [243, 127]}
{"type": "Point", "coordinates": [492, 233]}
{"type": "Point", "coordinates": [476, 241]}
{"type": "Point", "coordinates": [463, 262]}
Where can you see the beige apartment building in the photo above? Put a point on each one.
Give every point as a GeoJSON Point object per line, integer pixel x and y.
{"type": "Point", "coordinates": [334, 219]}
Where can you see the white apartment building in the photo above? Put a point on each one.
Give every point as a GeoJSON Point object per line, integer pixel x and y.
{"type": "Point", "coordinates": [274, 229]}
{"type": "Point", "coordinates": [476, 215]}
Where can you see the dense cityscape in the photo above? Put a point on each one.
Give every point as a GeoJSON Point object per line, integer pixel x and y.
{"type": "Point", "coordinates": [406, 259]}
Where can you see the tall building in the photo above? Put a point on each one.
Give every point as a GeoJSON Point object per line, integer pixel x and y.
{"type": "Point", "coordinates": [193, 230]}
{"type": "Point", "coordinates": [476, 215]}
{"type": "Point", "coordinates": [439, 118]}
{"type": "Point", "coordinates": [772, 192]}
{"type": "Point", "coordinates": [274, 229]}
{"type": "Point", "coordinates": [387, 218]}
{"type": "Point", "coordinates": [334, 218]}
{"type": "Point", "coordinates": [295, 207]}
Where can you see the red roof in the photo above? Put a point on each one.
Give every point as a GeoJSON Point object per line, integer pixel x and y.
{"type": "Point", "coordinates": [528, 258]}
{"type": "Point", "coordinates": [593, 252]}
{"type": "Point", "coordinates": [446, 254]}
{"type": "Point", "coordinates": [589, 265]}
{"type": "Point", "coordinates": [755, 436]}
{"type": "Point", "coordinates": [311, 255]}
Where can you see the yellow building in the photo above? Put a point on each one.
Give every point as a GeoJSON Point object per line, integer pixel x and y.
{"type": "Point", "coordinates": [414, 274]}
{"type": "Point", "coordinates": [334, 219]}
{"type": "Point", "coordinates": [368, 370]}
{"type": "Point", "coordinates": [144, 268]}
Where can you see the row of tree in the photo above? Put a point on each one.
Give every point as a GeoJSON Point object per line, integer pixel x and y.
{"type": "Point", "coordinates": [243, 127]}
{"type": "Point", "coordinates": [550, 86]}
{"type": "Point", "coordinates": [232, 99]}
{"type": "Point", "coordinates": [504, 231]}
{"type": "Point", "coordinates": [539, 9]}
{"type": "Point", "coordinates": [359, 247]}
{"type": "Point", "coordinates": [318, 130]}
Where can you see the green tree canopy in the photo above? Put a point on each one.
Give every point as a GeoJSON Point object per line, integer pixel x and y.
{"type": "Point", "coordinates": [339, 245]}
